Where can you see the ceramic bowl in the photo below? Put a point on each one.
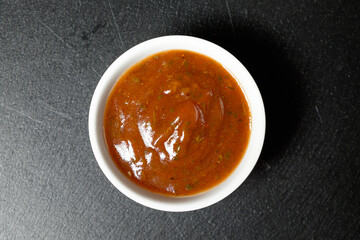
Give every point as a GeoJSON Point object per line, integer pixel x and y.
{"type": "Point", "coordinates": [153, 200]}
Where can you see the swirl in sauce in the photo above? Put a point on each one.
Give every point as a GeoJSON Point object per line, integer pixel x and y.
{"type": "Point", "coordinates": [177, 123]}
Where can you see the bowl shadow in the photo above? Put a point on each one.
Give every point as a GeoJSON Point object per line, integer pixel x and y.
{"type": "Point", "coordinates": [267, 59]}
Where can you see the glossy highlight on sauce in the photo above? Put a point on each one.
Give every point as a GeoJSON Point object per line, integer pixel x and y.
{"type": "Point", "coordinates": [177, 123]}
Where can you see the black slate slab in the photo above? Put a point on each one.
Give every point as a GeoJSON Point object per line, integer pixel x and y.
{"type": "Point", "coordinates": [304, 56]}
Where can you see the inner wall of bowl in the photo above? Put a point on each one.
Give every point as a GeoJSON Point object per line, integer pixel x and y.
{"type": "Point", "coordinates": [140, 52]}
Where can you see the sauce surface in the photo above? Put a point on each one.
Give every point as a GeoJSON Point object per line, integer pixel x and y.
{"type": "Point", "coordinates": [177, 123]}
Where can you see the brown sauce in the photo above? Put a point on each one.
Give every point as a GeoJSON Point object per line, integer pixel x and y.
{"type": "Point", "coordinates": [177, 123]}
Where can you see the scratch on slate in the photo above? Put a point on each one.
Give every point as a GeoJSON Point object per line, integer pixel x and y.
{"type": "Point", "coordinates": [102, 61]}
{"type": "Point", "coordinates": [176, 227]}
{"type": "Point", "coordinates": [95, 72]}
{"type": "Point", "coordinates": [61, 114]}
{"type": "Point", "coordinates": [116, 26]}
{"type": "Point", "coordinates": [317, 111]}
{"type": "Point", "coordinates": [21, 113]}
{"type": "Point", "coordinates": [225, 237]}
{"type": "Point", "coordinates": [57, 36]}
{"type": "Point", "coordinates": [52, 109]}
{"type": "Point", "coordinates": [231, 21]}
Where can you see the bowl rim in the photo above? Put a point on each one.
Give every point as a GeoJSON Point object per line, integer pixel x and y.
{"type": "Point", "coordinates": [154, 200]}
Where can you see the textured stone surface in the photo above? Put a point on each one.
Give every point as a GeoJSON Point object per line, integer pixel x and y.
{"type": "Point", "coordinates": [303, 55]}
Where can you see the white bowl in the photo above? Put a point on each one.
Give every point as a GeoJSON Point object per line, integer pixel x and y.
{"type": "Point", "coordinates": [153, 200]}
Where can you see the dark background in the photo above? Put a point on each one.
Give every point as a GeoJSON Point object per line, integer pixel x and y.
{"type": "Point", "coordinates": [304, 56]}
